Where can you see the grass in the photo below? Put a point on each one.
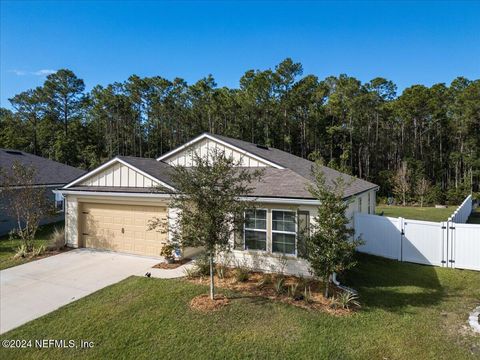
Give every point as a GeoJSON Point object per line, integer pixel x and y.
{"type": "Point", "coordinates": [409, 312]}
{"type": "Point", "coordinates": [474, 216]}
{"type": "Point", "coordinates": [8, 247]}
{"type": "Point", "coordinates": [416, 213]}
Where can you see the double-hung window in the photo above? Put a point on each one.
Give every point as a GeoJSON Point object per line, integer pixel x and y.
{"type": "Point", "coordinates": [284, 232]}
{"type": "Point", "coordinates": [256, 230]}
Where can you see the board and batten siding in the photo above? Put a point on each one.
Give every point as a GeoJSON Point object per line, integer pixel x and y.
{"type": "Point", "coordinates": [119, 175]}
{"type": "Point", "coordinates": [202, 148]}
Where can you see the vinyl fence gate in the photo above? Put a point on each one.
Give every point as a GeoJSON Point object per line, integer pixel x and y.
{"type": "Point", "coordinates": [447, 244]}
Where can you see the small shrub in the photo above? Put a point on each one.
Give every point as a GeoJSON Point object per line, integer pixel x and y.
{"type": "Point", "coordinates": [345, 300]}
{"type": "Point", "coordinates": [242, 270]}
{"type": "Point", "coordinates": [221, 271]}
{"type": "Point", "coordinates": [279, 285]}
{"type": "Point", "coordinates": [265, 281]}
{"type": "Point", "coordinates": [39, 250]}
{"type": "Point", "coordinates": [242, 274]}
{"type": "Point", "coordinates": [21, 252]}
{"type": "Point", "coordinates": [57, 239]}
{"type": "Point", "coordinates": [202, 265]}
{"type": "Point", "coordinates": [191, 272]}
{"type": "Point", "coordinates": [307, 295]}
{"type": "Point", "coordinates": [293, 291]}
{"type": "Point", "coordinates": [168, 252]}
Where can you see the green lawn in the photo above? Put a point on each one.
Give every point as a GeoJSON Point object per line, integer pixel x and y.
{"type": "Point", "coordinates": [8, 247]}
{"type": "Point", "coordinates": [409, 312]}
{"type": "Point", "coordinates": [416, 213]}
{"type": "Point", "coordinates": [474, 217]}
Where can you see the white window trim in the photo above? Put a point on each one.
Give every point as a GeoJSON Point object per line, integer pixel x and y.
{"type": "Point", "coordinates": [286, 232]}
{"type": "Point", "coordinates": [259, 230]}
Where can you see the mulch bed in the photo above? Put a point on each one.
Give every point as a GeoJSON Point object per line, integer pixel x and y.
{"type": "Point", "coordinates": [253, 288]}
{"type": "Point", "coordinates": [49, 253]}
{"type": "Point", "coordinates": [174, 265]}
{"type": "Point", "coordinates": [203, 302]}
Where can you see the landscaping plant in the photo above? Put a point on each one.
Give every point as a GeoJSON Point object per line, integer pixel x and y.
{"type": "Point", "coordinates": [330, 247]}
{"type": "Point", "coordinates": [206, 203]}
{"type": "Point", "coordinates": [23, 201]}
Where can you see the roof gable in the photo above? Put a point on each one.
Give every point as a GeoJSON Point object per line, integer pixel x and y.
{"type": "Point", "coordinates": [124, 172]}
{"type": "Point", "coordinates": [204, 143]}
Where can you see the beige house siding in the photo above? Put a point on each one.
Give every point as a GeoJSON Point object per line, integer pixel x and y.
{"type": "Point", "coordinates": [119, 175]}
{"type": "Point", "coordinates": [202, 148]}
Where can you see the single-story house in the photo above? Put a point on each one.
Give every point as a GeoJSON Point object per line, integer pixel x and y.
{"type": "Point", "coordinates": [110, 206]}
{"type": "Point", "coordinates": [49, 174]}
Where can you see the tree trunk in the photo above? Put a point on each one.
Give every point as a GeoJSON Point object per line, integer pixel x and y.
{"type": "Point", "coordinates": [326, 287]}
{"type": "Point", "coordinates": [212, 286]}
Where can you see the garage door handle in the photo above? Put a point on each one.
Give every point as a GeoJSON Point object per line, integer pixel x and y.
{"type": "Point", "coordinates": [123, 231]}
{"type": "Point", "coordinates": [85, 234]}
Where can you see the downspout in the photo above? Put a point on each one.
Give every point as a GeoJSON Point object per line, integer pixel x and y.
{"type": "Point", "coordinates": [334, 280]}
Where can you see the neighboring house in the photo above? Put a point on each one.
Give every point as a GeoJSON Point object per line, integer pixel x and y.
{"type": "Point", "coordinates": [109, 207]}
{"type": "Point", "coordinates": [48, 173]}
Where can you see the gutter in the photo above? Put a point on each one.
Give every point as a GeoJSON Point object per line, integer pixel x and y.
{"type": "Point", "coordinates": [105, 193]}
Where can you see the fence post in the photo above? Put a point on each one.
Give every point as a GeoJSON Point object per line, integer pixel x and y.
{"type": "Point", "coordinates": [444, 226]}
{"type": "Point", "coordinates": [451, 242]}
{"type": "Point", "coordinates": [401, 229]}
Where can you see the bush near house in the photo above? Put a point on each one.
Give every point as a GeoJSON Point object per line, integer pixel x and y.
{"type": "Point", "coordinates": [43, 237]}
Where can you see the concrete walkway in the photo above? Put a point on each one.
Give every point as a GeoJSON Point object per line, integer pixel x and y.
{"type": "Point", "coordinates": [34, 289]}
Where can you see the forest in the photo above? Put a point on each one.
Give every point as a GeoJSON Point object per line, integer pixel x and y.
{"type": "Point", "coordinates": [423, 143]}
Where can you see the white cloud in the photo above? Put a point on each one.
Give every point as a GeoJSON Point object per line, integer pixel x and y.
{"type": "Point", "coordinates": [19, 72]}
{"type": "Point", "coordinates": [41, 72]}
{"type": "Point", "coordinates": [44, 72]}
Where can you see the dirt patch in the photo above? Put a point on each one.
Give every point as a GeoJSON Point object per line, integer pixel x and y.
{"type": "Point", "coordinates": [174, 265]}
{"type": "Point", "coordinates": [304, 293]}
{"type": "Point", "coordinates": [203, 302]}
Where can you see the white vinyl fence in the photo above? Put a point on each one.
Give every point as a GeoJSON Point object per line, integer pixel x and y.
{"type": "Point", "coordinates": [448, 244]}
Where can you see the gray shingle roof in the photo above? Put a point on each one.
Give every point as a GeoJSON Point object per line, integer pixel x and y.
{"type": "Point", "coordinates": [157, 169]}
{"type": "Point", "coordinates": [48, 172]}
{"type": "Point", "coordinates": [300, 166]}
{"type": "Point", "coordinates": [290, 182]}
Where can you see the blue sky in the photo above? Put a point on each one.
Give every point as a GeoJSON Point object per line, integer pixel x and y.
{"type": "Point", "coordinates": [102, 42]}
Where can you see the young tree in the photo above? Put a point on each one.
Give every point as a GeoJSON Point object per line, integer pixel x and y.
{"type": "Point", "coordinates": [423, 186]}
{"type": "Point", "coordinates": [207, 203]}
{"type": "Point", "coordinates": [23, 201]}
{"type": "Point", "coordinates": [401, 183]}
{"type": "Point", "coordinates": [329, 246]}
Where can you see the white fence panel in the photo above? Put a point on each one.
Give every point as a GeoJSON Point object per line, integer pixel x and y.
{"type": "Point", "coordinates": [465, 239]}
{"type": "Point", "coordinates": [381, 235]}
{"type": "Point", "coordinates": [461, 214]}
{"type": "Point", "coordinates": [452, 243]}
{"type": "Point", "coordinates": [423, 242]}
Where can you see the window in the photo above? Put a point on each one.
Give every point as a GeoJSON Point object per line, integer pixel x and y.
{"type": "Point", "coordinates": [59, 202]}
{"type": "Point", "coordinates": [255, 233]}
{"type": "Point", "coordinates": [303, 231]}
{"type": "Point", "coordinates": [284, 232]}
{"type": "Point", "coordinates": [369, 203]}
{"type": "Point", "coordinates": [359, 204]}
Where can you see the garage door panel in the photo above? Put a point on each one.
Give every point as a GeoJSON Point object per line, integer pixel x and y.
{"type": "Point", "coordinates": [104, 224]}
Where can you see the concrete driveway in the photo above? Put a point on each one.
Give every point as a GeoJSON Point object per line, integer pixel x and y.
{"type": "Point", "coordinates": [34, 289]}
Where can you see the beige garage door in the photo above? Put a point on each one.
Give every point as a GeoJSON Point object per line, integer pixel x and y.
{"type": "Point", "coordinates": [122, 228]}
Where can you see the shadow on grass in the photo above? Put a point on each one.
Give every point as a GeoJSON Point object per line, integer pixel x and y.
{"type": "Point", "coordinates": [394, 286]}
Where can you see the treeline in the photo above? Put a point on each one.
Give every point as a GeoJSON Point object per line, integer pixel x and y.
{"type": "Point", "coordinates": [365, 129]}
